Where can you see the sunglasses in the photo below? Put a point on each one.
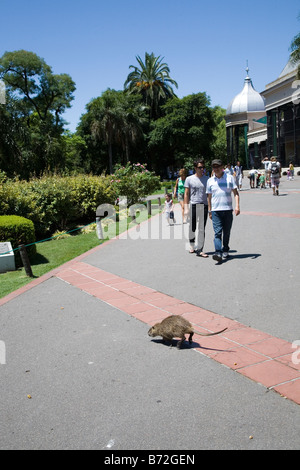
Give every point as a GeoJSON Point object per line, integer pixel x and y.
{"type": "Point", "coordinates": [200, 167]}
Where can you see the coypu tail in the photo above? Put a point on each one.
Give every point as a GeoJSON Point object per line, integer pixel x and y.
{"type": "Point", "coordinates": [210, 334]}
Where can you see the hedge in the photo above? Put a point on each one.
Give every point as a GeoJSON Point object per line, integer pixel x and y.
{"type": "Point", "coordinates": [18, 231]}
{"type": "Point", "coordinates": [55, 202]}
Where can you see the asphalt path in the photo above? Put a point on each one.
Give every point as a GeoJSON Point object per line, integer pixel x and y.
{"type": "Point", "coordinates": [80, 374]}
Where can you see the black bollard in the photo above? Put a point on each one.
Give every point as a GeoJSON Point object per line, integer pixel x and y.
{"type": "Point", "coordinates": [25, 260]}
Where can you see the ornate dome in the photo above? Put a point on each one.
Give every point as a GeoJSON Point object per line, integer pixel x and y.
{"type": "Point", "coordinates": [248, 100]}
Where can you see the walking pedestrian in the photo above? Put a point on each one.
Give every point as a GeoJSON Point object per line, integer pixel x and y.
{"type": "Point", "coordinates": [219, 189]}
{"type": "Point", "coordinates": [229, 169]}
{"type": "Point", "coordinates": [179, 190]}
{"type": "Point", "coordinates": [262, 180]}
{"type": "Point", "coordinates": [291, 168]}
{"type": "Point", "coordinates": [275, 169]}
{"type": "Point", "coordinates": [195, 204]}
{"type": "Point", "coordinates": [239, 174]}
{"type": "Point", "coordinates": [169, 209]}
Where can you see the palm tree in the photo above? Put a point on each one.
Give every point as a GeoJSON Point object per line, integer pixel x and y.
{"type": "Point", "coordinates": [108, 122]}
{"type": "Point", "coordinates": [152, 80]}
{"type": "Point", "coordinates": [295, 54]}
{"type": "Point", "coordinates": [134, 122]}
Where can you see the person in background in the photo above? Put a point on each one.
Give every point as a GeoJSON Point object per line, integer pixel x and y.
{"type": "Point", "coordinates": [169, 209]}
{"type": "Point", "coordinates": [252, 175]}
{"type": "Point", "coordinates": [266, 163]}
{"type": "Point", "coordinates": [238, 174]}
{"type": "Point", "coordinates": [291, 168]}
{"type": "Point", "coordinates": [262, 180]}
{"type": "Point", "coordinates": [275, 169]}
{"type": "Point", "coordinates": [229, 169]}
{"type": "Point", "coordinates": [179, 190]}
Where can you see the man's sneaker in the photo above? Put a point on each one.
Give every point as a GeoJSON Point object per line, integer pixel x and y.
{"type": "Point", "coordinates": [225, 255]}
{"type": "Point", "coordinates": [217, 257]}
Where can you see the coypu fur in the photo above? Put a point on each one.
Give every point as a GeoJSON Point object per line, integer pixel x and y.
{"type": "Point", "coordinates": [175, 326]}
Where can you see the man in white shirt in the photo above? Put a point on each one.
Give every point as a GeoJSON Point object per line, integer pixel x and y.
{"type": "Point", "coordinates": [239, 174]}
{"type": "Point", "coordinates": [219, 188]}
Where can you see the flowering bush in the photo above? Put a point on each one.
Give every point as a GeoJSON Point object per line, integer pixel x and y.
{"type": "Point", "coordinates": [53, 202]}
{"type": "Point", "coordinates": [134, 181]}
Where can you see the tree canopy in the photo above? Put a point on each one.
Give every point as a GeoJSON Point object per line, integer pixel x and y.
{"type": "Point", "coordinates": [31, 122]}
{"type": "Point", "coordinates": [152, 81]}
{"type": "Point", "coordinates": [145, 122]}
{"type": "Point", "coordinates": [295, 52]}
{"type": "Point", "coordinates": [184, 132]}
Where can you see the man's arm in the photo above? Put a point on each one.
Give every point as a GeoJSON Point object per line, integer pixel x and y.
{"type": "Point", "coordinates": [186, 200]}
{"type": "Point", "coordinates": [237, 201]}
{"type": "Point", "coordinates": [209, 204]}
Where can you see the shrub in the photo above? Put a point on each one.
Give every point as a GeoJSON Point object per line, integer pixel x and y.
{"type": "Point", "coordinates": [55, 202]}
{"type": "Point", "coordinates": [18, 231]}
{"type": "Point", "coordinates": [88, 192]}
{"type": "Point", "coordinates": [16, 198]}
{"type": "Point", "coordinates": [134, 181]}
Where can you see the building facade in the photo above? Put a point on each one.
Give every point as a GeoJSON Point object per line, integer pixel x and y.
{"type": "Point", "coordinates": [283, 116]}
{"type": "Point", "coordinates": [243, 116]}
{"type": "Point", "coordinates": [269, 121]}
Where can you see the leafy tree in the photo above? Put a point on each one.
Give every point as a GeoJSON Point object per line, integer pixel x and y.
{"type": "Point", "coordinates": [184, 133]}
{"type": "Point", "coordinates": [11, 133]}
{"type": "Point", "coordinates": [37, 98]}
{"type": "Point", "coordinates": [113, 124]}
{"type": "Point", "coordinates": [219, 145]}
{"type": "Point", "coordinates": [295, 52]}
{"type": "Point", "coordinates": [152, 81]}
{"type": "Point", "coordinates": [134, 124]}
{"type": "Point", "coordinates": [74, 146]}
{"type": "Point", "coordinates": [31, 81]}
{"type": "Point", "coordinates": [107, 122]}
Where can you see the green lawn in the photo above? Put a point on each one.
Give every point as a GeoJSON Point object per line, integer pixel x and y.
{"type": "Point", "coordinates": [54, 253]}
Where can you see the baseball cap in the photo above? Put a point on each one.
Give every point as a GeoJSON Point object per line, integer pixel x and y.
{"type": "Point", "coordinates": [217, 161]}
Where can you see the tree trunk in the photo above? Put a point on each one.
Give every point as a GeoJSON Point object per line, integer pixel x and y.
{"type": "Point", "coordinates": [110, 158]}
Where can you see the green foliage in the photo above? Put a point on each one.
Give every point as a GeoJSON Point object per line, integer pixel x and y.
{"type": "Point", "coordinates": [113, 125]}
{"type": "Point", "coordinates": [184, 133]}
{"type": "Point", "coordinates": [144, 122]}
{"type": "Point", "coordinates": [152, 81]}
{"type": "Point", "coordinates": [54, 202]}
{"type": "Point", "coordinates": [134, 181]}
{"type": "Point", "coordinates": [31, 123]}
{"type": "Point", "coordinates": [219, 145]}
{"type": "Point", "coordinates": [88, 192]}
{"type": "Point", "coordinates": [18, 231]}
{"type": "Point", "coordinates": [295, 52]}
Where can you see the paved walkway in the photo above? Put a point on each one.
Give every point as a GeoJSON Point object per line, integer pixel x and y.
{"type": "Point", "coordinates": [148, 274]}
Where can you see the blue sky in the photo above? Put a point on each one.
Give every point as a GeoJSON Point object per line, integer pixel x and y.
{"type": "Point", "coordinates": [205, 43]}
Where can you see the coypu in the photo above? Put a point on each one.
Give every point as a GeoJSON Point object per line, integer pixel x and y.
{"type": "Point", "coordinates": [175, 326]}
